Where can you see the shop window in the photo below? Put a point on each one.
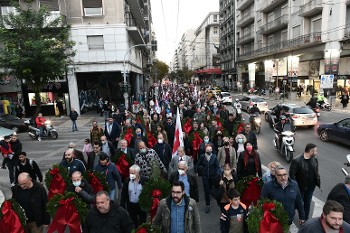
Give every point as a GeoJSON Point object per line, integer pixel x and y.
{"type": "Point", "coordinates": [95, 42]}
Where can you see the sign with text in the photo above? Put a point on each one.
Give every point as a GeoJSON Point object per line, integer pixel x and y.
{"type": "Point", "coordinates": [327, 81]}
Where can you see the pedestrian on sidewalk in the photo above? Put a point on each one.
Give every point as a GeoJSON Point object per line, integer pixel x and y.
{"type": "Point", "coordinates": [344, 99]}
{"type": "Point", "coordinates": [73, 115]}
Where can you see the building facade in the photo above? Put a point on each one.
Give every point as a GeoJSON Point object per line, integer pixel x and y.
{"type": "Point", "coordinates": [228, 42]}
{"type": "Point", "coordinates": [284, 44]}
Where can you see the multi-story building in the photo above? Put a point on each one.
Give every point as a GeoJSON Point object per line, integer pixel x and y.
{"type": "Point", "coordinates": [292, 40]}
{"type": "Point", "coordinates": [228, 42]}
{"type": "Point", "coordinates": [199, 51]}
{"type": "Point", "coordinates": [110, 38]}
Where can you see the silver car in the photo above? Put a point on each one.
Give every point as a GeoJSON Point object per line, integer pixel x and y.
{"type": "Point", "coordinates": [248, 101]}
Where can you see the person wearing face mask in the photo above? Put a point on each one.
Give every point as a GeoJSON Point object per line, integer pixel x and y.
{"type": "Point", "coordinates": [145, 157]}
{"type": "Point", "coordinates": [130, 194]}
{"type": "Point", "coordinates": [239, 143]}
{"type": "Point", "coordinates": [208, 167]}
{"type": "Point", "coordinates": [180, 156]}
{"type": "Point", "coordinates": [249, 163]}
{"type": "Point", "coordinates": [135, 140]}
{"type": "Point", "coordinates": [163, 150]}
{"type": "Point", "coordinates": [81, 187]}
{"type": "Point", "coordinates": [189, 180]}
{"type": "Point", "coordinates": [304, 170]}
{"type": "Point", "coordinates": [223, 183]}
{"type": "Point", "coordinates": [227, 155]}
{"type": "Point", "coordinates": [110, 171]}
{"type": "Point", "coordinates": [107, 147]}
{"type": "Point", "coordinates": [206, 141]}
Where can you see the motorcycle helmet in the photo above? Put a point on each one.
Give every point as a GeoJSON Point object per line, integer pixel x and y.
{"type": "Point", "coordinates": [283, 118]}
{"type": "Point", "coordinates": [237, 100]}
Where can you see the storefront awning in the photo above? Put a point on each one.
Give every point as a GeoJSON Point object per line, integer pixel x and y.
{"type": "Point", "coordinates": [209, 71]}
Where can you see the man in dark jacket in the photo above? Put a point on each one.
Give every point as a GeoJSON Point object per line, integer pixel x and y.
{"type": "Point", "coordinates": [73, 115]}
{"type": "Point", "coordinates": [16, 147]}
{"type": "Point", "coordinates": [107, 218]}
{"type": "Point", "coordinates": [341, 194]}
{"type": "Point", "coordinates": [32, 197]}
{"type": "Point", "coordinates": [304, 170]}
{"type": "Point", "coordinates": [107, 146]}
{"type": "Point", "coordinates": [189, 180]}
{"type": "Point", "coordinates": [30, 166]}
{"type": "Point", "coordinates": [93, 157]}
{"type": "Point", "coordinates": [78, 154]}
{"type": "Point", "coordinates": [112, 131]}
{"type": "Point", "coordinates": [169, 127]}
{"type": "Point", "coordinates": [71, 163]}
{"type": "Point", "coordinates": [331, 220]}
{"type": "Point", "coordinates": [81, 187]}
{"type": "Point", "coordinates": [126, 150]}
{"type": "Point", "coordinates": [250, 135]}
{"type": "Point", "coordinates": [163, 150]}
{"type": "Point", "coordinates": [286, 191]}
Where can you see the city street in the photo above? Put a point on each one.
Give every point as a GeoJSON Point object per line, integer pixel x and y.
{"type": "Point", "coordinates": [331, 156]}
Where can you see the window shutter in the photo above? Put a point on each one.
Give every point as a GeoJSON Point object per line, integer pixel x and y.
{"type": "Point", "coordinates": [51, 5]}
{"type": "Point", "coordinates": [92, 3]}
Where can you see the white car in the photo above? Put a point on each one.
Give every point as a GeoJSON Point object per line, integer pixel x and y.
{"type": "Point", "coordinates": [248, 101]}
{"type": "Point", "coordinates": [226, 98]}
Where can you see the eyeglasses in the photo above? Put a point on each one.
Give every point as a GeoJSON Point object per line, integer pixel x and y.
{"type": "Point", "coordinates": [282, 175]}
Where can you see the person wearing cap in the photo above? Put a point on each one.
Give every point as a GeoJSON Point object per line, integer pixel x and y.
{"type": "Point", "coordinates": [341, 194]}
{"type": "Point", "coordinates": [109, 169]}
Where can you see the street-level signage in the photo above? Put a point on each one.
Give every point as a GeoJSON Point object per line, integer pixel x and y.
{"type": "Point", "coordinates": [327, 81]}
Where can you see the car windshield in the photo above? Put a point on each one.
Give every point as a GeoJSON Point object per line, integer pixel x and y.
{"type": "Point", "coordinates": [257, 100]}
{"type": "Point", "coordinates": [302, 110]}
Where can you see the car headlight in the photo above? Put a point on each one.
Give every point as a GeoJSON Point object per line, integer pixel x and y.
{"type": "Point", "coordinates": [47, 122]}
{"type": "Point", "coordinates": [258, 120]}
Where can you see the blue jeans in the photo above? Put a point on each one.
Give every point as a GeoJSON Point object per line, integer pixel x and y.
{"type": "Point", "coordinates": [306, 196]}
{"type": "Point", "coordinates": [41, 128]}
{"type": "Point", "coordinates": [207, 185]}
{"type": "Point", "coordinates": [74, 125]}
{"type": "Point", "coordinates": [112, 195]}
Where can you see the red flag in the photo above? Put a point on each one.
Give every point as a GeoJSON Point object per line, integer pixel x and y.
{"type": "Point", "coordinates": [178, 139]}
{"type": "Point", "coordinates": [188, 126]}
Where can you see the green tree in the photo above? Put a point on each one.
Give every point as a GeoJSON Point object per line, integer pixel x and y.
{"type": "Point", "coordinates": [184, 75]}
{"type": "Point", "coordinates": [159, 70]}
{"type": "Point", "coordinates": [36, 47]}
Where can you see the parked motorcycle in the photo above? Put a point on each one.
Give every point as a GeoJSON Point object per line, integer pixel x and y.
{"type": "Point", "coordinates": [255, 121]}
{"type": "Point", "coordinates": [286, 147]}
{"type": "Point", "coordinates": [49, 131]}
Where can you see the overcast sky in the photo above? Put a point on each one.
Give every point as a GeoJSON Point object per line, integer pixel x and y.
{"type": "Point", "coordinates": [169, 30]}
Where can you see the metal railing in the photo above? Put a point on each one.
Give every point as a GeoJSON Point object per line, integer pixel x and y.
{"type": "Point", "coordinates": [245, 37]}
{"type": "Point", "coordinates": [310, 6]}
{"type": "Point", "coordinates": [283, 19]}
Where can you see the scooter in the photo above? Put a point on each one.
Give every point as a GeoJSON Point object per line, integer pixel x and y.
{"type": "Point", "coordinates": [49, 131]}
{"type": "Point", "coordinates": [287, 143]}
{"type": "Point", "coordinates": [255, 121]}
{"type": "Point", "coordinates": [325, 105]}
{"type": "Point", "coordinates": [316, 110]}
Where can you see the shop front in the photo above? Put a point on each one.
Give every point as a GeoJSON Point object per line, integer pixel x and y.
{"type": "Point", "coordinates": [10, 95]}
{"type": "Point", "coordinates": [54, 99]}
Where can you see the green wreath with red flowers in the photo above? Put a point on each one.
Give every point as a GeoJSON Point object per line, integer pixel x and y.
{"type": "Point", "coordinates": [242, 183]}
{"type": "Point", "coordinates": [256, 215]}
{"type": "Point", "coordinates": [118, 154]}
{"type": "Point", "coordinates": [100, 177]}
{"type": "Point", "coordinates": [191, 135]}
{"type": "Point", "coordinates": [17, 209]}
{"type": "Point", "coordinates": [147, 228]}
{"type": "Point", "coordinates": [63, 172]}
{"type": "Point", "coordinates": [78, 203]}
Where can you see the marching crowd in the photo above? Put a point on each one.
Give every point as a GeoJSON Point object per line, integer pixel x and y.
{"type": "Point", "coordinates": [217, 146]}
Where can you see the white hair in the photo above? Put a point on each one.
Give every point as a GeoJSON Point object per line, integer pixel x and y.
{"type": "Point", "coordinates": [136, 168]}
{"type": "Point", "coordinates": [183, 163]}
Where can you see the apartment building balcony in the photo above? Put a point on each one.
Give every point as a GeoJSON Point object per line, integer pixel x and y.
{"type": "Point", "coordinates": [136, 9]}
{"type": "Point", "coordinates": [134, 31]}
{"type": "Point", "coordinates": [302, 41]}
{"type": "Point", "coordinates": [271, 4]}
{"type": "Point", "coordinates": [243, 4]}
{"type": "Point", "coordinates": [311, 8]}
{"type": "Point", "coordinates": [275, 25]}
{"type": "Point", "coordinates": [246, 19]}
{"type": "Point", "coordinates": [246, 38]}
{"type": "Point", "coordinates": [225, 58]}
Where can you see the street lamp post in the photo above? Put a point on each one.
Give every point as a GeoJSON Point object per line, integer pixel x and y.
{"type": "Point", "coordinates": [125, 83]}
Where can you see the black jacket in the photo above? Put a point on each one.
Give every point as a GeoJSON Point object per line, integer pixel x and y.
{"type": "Point", "coordinates": [115, 132]}
{"type": "Point", "coordinates": [298, 171]}
{"type": "Point", "coordinates": [210, 168]}
{"type": "Point", "coordinates": [38, 202]}
{"type": "Point", "coordinates": [16, 147]}
{"type": "Point", "coordinates": [164, 152]}
{"type": "Point", "coordinates": [124, 198]}
{"type": "Point", "coordinates": [30, 167]}
{"type": "Point", "coordinates": [341, 195]}
{"type": "Point", "coordinates": [73, 115]}
{"type": "Point", "coordinates": [250, 169]}
{"type": "Point", "coordinates": [116, 220]}
{"type": "Point", "coordinates": [87, 194]}
{"type": "Point", "coordinates": [192, 180]}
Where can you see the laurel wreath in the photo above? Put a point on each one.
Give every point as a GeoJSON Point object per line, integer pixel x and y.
{"type": "Point", "coordinates": [18, 210]}
{"type": "Point", "coordinates": [63, 173]}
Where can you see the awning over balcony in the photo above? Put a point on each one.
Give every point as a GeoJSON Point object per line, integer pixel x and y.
{"type": "Point", "coordinates": [209, 71]}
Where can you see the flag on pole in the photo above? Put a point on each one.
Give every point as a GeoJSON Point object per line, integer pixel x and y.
{"type": "Point", "coordinates": [178, 139]}
{"type": "Point", "coordinates": [157, 107]}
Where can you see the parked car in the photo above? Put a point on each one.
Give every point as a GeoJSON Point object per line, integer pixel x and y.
{"type": "Point", "coordinates": [249, 101]}
{"type": "Point", "coordinates": [338, 132]}
{"type": "Point", "coordinates": [226, 98]}
{"type": "Point", "coordinates": [12, 122]}
{"type": "Point", "coordinates": [299, 115]}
